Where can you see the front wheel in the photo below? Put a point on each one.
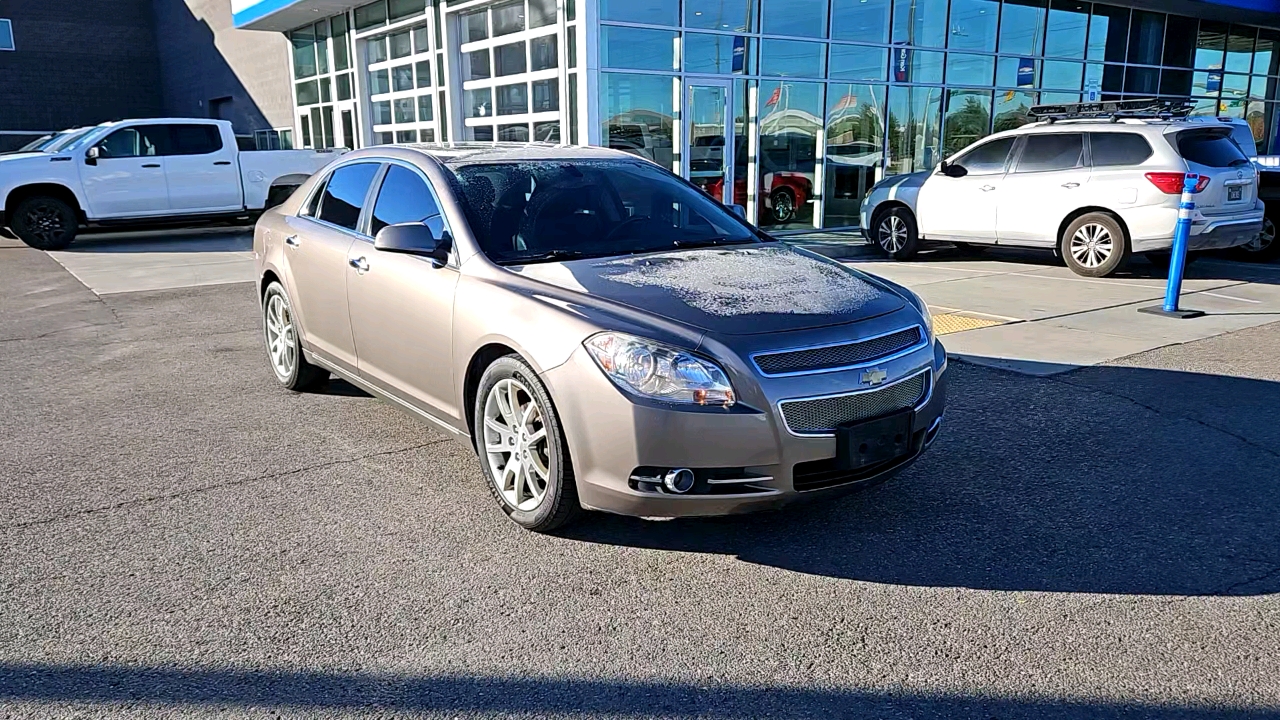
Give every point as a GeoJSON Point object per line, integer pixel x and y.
{"type": "Point", "coordinates": [896, 233]}
{"type": "Point", "coordinates": [1094, 246]}
{"type": "Point", "coordinates": [784, 205]}
{"type": "Point", "coordinates": [284, 348]}
{"type": "Point", "coordinates": [45, 223]}
{"type": "Point", "coordinates": [1264, 248]}
{"type": "Point", "coordinates": [522, 449]}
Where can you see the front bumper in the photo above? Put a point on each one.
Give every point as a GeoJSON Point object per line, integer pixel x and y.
{"type": "Point", "coordinates": [614, 440]}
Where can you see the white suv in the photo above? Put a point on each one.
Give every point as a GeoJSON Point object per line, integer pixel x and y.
{"type": "Point", "coordinates": [1094, 190]}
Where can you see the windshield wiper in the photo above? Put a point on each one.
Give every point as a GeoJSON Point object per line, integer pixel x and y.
{"type": "Point", "coordinates": [711, 241]}
{"type": "Point", "coordinates": [548, 256]}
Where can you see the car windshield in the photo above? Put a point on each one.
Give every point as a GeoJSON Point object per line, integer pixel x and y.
{"type": "Point", "coordinates": [544, 211]}
{"type": "Point", "coordinates": [64, 140]}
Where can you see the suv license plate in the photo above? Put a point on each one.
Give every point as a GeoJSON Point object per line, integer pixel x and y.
{"type": "Point", "coordinates": [1235, 193]}
{"type": "Point", "coordinates": [874, 441]}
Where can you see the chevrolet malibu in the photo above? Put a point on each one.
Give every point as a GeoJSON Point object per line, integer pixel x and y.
{"type": "Point", "coordinates": [605, 335]}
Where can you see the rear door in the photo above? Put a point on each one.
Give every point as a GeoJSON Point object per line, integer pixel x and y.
{"type": "Point", "coordinates": [964, 208]}
{"type": "Point", "coordinates": [128, 178]}
{"type": "Point", "coordinates": [201, 169]}
{"type": "Point", "coordinates": [1048, 180]}
{"type": "Point", "coordinates": [1211, 152]}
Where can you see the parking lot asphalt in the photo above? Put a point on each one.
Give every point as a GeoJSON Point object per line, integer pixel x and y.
{"type": "Point", "coordinates": [180, 538]}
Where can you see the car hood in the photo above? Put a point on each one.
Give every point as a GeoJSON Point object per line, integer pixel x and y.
{"type": "Point", "coordinates": [13, 157]}
{"type": "Point", "coordinates": [727, 290]}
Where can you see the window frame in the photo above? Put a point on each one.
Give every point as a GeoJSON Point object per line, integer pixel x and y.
{"type": "Point", "coordinates": [1014, 149]}
{"type": "Point", "coordinates": [323, 185]}
{"type": "Point", "coordinates": [375, 188]}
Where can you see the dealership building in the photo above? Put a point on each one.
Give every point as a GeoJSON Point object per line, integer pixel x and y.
{"type": "Point", "coordinates": [792, 108]}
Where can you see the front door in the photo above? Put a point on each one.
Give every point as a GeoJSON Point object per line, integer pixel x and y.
{"type": "Point", "coordinates": [128, 179]}
{"type": "Point", "coordinates": [709, 143]}
{"type": "Point", "coordinates": [965, 207]}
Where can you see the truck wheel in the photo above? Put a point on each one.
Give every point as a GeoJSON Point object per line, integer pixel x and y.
{"type": "Point", "coordinates": [1094, 246]}
{"type": "Point", "coordinates": [1263, 249]}
{"type": "Point", "coordinates": [784, 205]}
{"type": "Point", "coordinates": [896, 233]}
{"type": "Point", "coordinates": [45, 223]}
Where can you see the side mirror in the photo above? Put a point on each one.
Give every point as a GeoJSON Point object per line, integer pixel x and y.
{"type": "Point", "coordinates": [739, 210]}
{"type": "Point", "coordinates": [952, 170]}
{"type": "Point", "coordinates": [413, 239]}
{"type": "Point", "coordinates": [91, 156]}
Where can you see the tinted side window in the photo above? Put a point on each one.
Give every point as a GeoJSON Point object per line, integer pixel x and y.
{"type": "Point", "coordinates": [143, 141]}
{"type": "Point", "coordinates": [987, 158]}
{"type": "Point", "coordinates": [1051, 152]}
{"type": "Point", "coordinates": [195, 140]}
{"type": "Point", "coordinates": [1113, 148]}
{"type": "Point", "coordinates": [345, 193]}
{"type": "Point", "coordinates": [312, 208]}
{"type": "Point", "coordinates": [403, 198]}
{"type": "Point", "coordinates": [1213, 148]}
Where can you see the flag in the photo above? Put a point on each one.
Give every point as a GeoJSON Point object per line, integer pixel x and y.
{"type": "Point", "coordinates": [846, 102]}
{"type": "Point", "coordinates": [775, 97]}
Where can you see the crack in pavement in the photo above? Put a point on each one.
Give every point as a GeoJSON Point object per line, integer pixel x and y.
{"type": "Point", "coordinates": [1273, 572]}
{"type": "Point", "coordinates": [206, 488]}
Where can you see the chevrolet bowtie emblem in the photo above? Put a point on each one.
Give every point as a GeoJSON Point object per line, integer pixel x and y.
{"type": "Point", "coordinates": [874, 376]}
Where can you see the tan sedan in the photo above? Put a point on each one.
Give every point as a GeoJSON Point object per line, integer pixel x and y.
{"type": "Point", "coordinates": [604, 334]}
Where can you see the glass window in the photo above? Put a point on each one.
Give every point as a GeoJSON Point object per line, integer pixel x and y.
{"type": "Point", "coordinates": [622, 47]}
{"type": "Point", "coordinates": [1175, 82]}
{"type": "Point", "coordinates": [381, 112]}
{"type": "Point", "coordinates": [371, 15]}
{"type": "Point", "coordinates": [1067, 29]}
{"type": "Point", "coordinates": [1041, 153]}
{"type": "Point", "coordinates": [403, 198]}
{"type": "Point", "coordinates": [1112, 79]}
{"type": "Point", "coordinates": [573, 108]}
{"type": "Point", "coordinates": [478, 102]}
{"type": "Point", "coordinates": [407, 136]}
{"type": "Point", "coordinates": [988, 158]}
{"type": "Point", "coordinates": [915, 119]}
{"type": "Point", "coordinates": [142, 141]}
{"type": "Point", "coordinates": [1265, 58]}
{"type": "Point", "coordinates": [1240, 49]}
{"type": "Point", "coordinates": [1211, 45]}
{"type": "Point", "coordinates": [344, 86]}
{"type": "Point", "coordinates": [194, 140]}
{"type": "Point", "coordinates": [917, 66]}
{"type": "Point", "coordinates": [513, 133]}
{"type": "Point", "coordinates": [1062, 75]}
{"type": "Point", "coordinates": [379, 82]}
{"type": "Point", "coordinates": [345, 192]}
{"type": "Point", "coordinates": [1211, 148]}
{"type": "Point", "coordinates": [322, 46]}
{"type": "Point", "coordinates": [401, 9]}
{"type": "Point", "coordinates": [1206, 83]}
{"type": "Point", "coordinates": [424, 73]}
{"type": "Point", "coordinates": [475, 25]}
{"type": "Point", "coordinates": [341, 48]}
{"type": "Point", "coordinates": [1142, 81]}
{"type": "Point", "coordinates": [650, 12]}
{"type": "Point", "coordinates": [788, 152]}
{"type": "Point", "coordinates": [806, 18]}
{"type": "Point", "coordinates": [401, 45]}
{"type": "Point", "coordinates": [965, 69]}
{"type": "Point", "coordinates": [546, 131]}
{"type": "Point", "coordinates": [376, 50]}
{"type": "Point", "coordinates": [543, 53]}
{"type": "Point", "coordinates": [509, 59]}
{"type": "Point", "coordinates": [973, 24]}
{"type": "Point", "coordinates": [1146, 37]}
{"type": "Point", "coordinates": [968, 119]}
{"type": "Point", "coordinates": [718, 54]}
{"type": "Point", "coordinates": [383, 138]}
{"type": "Point", "coordinates": [1017, 72]}
{"type": "Point", "coordinates": [444, 116]}
{"type": "Point", "coordinates": [920, 22]}
{"type": "Point", "coordinates": [1110, 149]}
{"type": "Point", "coordinates": [406, 110]}
{"type": "Point", "coordinates": [792, 58]}
{"type": "Point", "coordinates": [428, 135]}
{"type": "Point", "coordinates": [1179, 41]}
{"type": "Point", "coordinates": [304, 52]}
{"type": "Point", "coordinates": [508, 18]}
{"type": "Point", "coordinates": [1022, 27]}
{"type": "Point", "coordinates": [326, 90]}
{"type": "Point", "coordinates": [571, 52]}
{"type": "Point", "coordinates": [425, 111]}
{"type": "Point", "coordinates": [542, 13]}
{"type": "Point", "coordinates": [402, 78]}
{"type": "Point", "coordinates": [1011, 109]}
{"type": "Point", "coordinates": [858, 62]}
{"type": "Point", "coordinates": [637, 116]}
{"type": "Point", "coordinates": [421, 39]}
{"type": "Point", "coordinates": [855, 148]}
{"type": "Point", "coordinates": [513, 99]}
{"type": "Point", "coordinates": [732, 15]}
{"type": "Point", "coordinates": [308, 93]}
{"type": "Point", "coordinates": [866, 20]}
{"type": "Point", "coordinates": [546, 95]}
{"type": "Point", "coordinates": [475, 65]}
{"type": "Point", "coordinates": [1108, 33]}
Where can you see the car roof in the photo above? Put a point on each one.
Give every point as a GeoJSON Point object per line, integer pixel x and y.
{"type": "Point", "coordinates": [454, 155]}
{"type": "Point", "coordinates": [1104, 124]}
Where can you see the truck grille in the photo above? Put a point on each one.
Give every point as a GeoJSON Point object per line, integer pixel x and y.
{"type": "Point", "coordinates": [821, 416]}
{"type": "Point", "coordinates": [837, 356]}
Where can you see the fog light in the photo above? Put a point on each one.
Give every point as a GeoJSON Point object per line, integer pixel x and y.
{"type": "Point", "coordinates": [679, 481]}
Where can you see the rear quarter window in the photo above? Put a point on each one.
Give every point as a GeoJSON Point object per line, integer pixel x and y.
{"type": "Point", "coordinates": [1211, 148]}
{"type": "Point", "coordinates": [1112, 149]}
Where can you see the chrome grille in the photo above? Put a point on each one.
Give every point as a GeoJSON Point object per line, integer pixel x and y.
{"type": "Point", "coordinates": [823, 415]}
{"type": "Point", "coordinates": [837, 356]}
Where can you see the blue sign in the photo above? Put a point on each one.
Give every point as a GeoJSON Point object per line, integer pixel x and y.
{"type": "Point", "coordinates": [739, 54]}
{"type": "Point", "coordinates": [901, 64]}
{"type": "Point", "coordinates": [1026, 72]}
{"type": "Point", "coordinates": [1214, 83]}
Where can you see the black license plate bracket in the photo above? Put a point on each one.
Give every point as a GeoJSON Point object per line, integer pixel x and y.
{"type": "Point", "coordinates": [874, 441]}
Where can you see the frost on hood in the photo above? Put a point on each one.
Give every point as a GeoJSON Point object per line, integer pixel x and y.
{"type": "Point", "coordinates": [748, 282]}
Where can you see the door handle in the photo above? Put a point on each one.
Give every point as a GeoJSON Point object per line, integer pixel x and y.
{"type": "Point", "coordinates": [223, 162]}
{"type": "Point", "coordinates": [360, 264]}
{"type": "Point", "coordinates": [1071, 185]}
{"type": "Point", "coordinates": [987, 188]}
{"type": "Point", "coordinates": [151, 165]}
{"type": "Point", "coordinates": [292, 241]}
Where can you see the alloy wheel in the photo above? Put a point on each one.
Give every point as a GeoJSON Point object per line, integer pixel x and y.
{"type": "Point", "coordinates": [281, 336]}
{"type": "Point", "coordinates": [893, 234]}
{"type": "Point", "coordinates": [784, 208]}
{"type": "Point", "coordinates": [1264, 239]}
{"type": "Point", "coordinates": [1091, 245]}
{"type": "Point", "coordinates": [46, 223]}
{"type": "Point", "coordinates": [515, 444]}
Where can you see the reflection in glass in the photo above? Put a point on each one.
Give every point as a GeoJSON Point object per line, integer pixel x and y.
{"type": "Point", "coordinates": [480, 133]}
{"type": "Point", "coordinates": [509, 59]}
{"type": "Point", "coordinates": [714, 54]}
{"type": "Point", "coordinates": [920, 22]}
{"type": "Point", "coordinates": [1022, 27]}
{"type": "Point", "coordinates": [1206, 83]}
{"type": "Point", "coordinates": [806, 18]}
{"type": "Point", "coordinates": [1240, 49]}
{"type": "Point", "coordinates": [1011, 109]}
{"type": "Point", "coordinates": [513, 133]}
{"type": "Point", "coordinates": [965, 69]}
{"type": "Point", "coordinates": [1017, 72]}
{"type": "Point", "coordinates": [865, 21]}
{"type": "Point", "coordinates": [1108, 33]}
{"type": "Point", "coordinates": [968, 119]}
{"type": "Point", "coordinates": [973, 25]}
{"type": "Point", "coordinates": [1266, 60]}
{"type": "Point", "coordinates": [512, 99]}
{"type": "Point", "coordinates": [637, 113]}
{"type": "Point", "coordinates": [407, 136]}
{"type": "Point", "coordinates": [1067, 29]}
{"type": "Point", "coordinates": [546, 95]}
{"type": "Point", "coordinates": [341, 49]}
{"type": "Point", "coordinates": [792, 58]}
{"type": "Point", "coordinates": [508, 18]}
{"type": "Point", "coordinates": [624, 47]}
{"type": "Point", "coordinates": [1204, 107]}
{"type": "Point", "coordinates": [382, 112]}
{"type": "Point", "coordinates": [548, 131]}
{"type": "Point", "coordinates": [401, 45]}
{"type": "Point", "coordinates": [475, 25]}
{"type": "Point", "coordinates": [425, 111]}
{"type": "Point", "coordinates": [707, 131]}
{"type": "Point", "coordinates": [790, 120]}
{"type": "Point", "coordinates": [475, 65]}
{"type": "Point", "coordinates": [915, 119]}
{"type": "Point", "coordinates": [376, 50]}
{"type": "Point", "coordinates": [478, 102]}
{"type": "Point", "coordinates": [855, 149]}
{"type": "Point", "coordinates": [1179, 41]}
{"type": "Point", "coordinates": [1146, 37]}
{"type": "Point", "coordinates": [1235, 91]}
{"type": "Point", "coordinates": [731, 15]}
{"type": "Point", "coordinates": [858, 62]}
{"type": "Point", "coordinates": [1175, 82]}
{"type": "Point", "coordinates": [1211, 45]}
{"type": "Point", "coordinates": [304, 52]}
{"type": "Point", "coordinates": [741, 156]}
{"type": "Point", "coordinates": [424, 73]}
{"type": "Point", "coordinates": [1062, 75]}
{"type": "Point", "coordinates": [543, 53]}
{"type": "Point", "coordinates": [379, 82]}
{"type": "Point", "coordinates": [406, 110]}
{"type": "Point", "coordinates": [650, 12]}
{"type": "Point", "coordinates": [402, 78]}
{"type": "Point", "coordinates": [1142, 81]}
{"type": "Point", "coordinates": [916, 66]}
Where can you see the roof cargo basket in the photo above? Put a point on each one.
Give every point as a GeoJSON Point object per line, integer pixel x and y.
{"type": "Point", "coordinates": [1114, 110]}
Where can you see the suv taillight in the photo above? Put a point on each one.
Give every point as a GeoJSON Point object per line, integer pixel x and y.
{"type": "Point", "coordinates": [1170, 183]}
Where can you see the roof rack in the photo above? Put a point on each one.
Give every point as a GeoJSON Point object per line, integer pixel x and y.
{"type": "Point", "coordinates": [1114, 110]}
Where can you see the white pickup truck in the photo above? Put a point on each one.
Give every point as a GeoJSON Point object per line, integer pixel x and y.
{"type": "Point", "coordinates": [140, 172]}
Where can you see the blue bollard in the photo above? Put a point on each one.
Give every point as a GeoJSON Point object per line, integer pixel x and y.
{"type": "Point", "coordinates": [1178, 260]}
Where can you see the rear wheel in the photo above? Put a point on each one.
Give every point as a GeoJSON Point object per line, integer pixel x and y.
{"type": "Point", "coordinates": [1264, 248]}
{"type": "Point", "coordinates": [45, 223]}
{"type": "Point", "coordinates": [1094, 246]}
{"type": "Point", "coordinates": [896, 233]}
{"type": "Point", "coordinates": [284, 347]}
{"type": "Point", "coordinates": [784, 205]}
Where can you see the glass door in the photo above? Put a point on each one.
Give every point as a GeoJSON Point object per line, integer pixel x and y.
{"type": "Point", "coordinates": [709, 142]}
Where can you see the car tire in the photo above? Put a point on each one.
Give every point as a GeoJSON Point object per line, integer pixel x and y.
{"type": "Point", "coordinates": [516, 422]}
{"type": "Point", "coordinates": [1094, 245]}
{"type": "Point", "coordinates": [284, 344]}
{"type": "Point", "coordinates": [1264, 249]}
{"type": "Point", "coordinates": [783, 203]}
{"type": "Point", "coordinates": [895, 233]}
{"type": "Point", "coordinates": [45, 223]}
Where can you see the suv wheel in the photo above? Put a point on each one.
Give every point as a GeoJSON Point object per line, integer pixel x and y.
{"type": "Point", "coordinates": [1094, 246]}
{"type": "Point", "coordinates": [45, 223]}
{"type": "Point", "coordinates": [896, 234]}
{"type": "Point", "coordinates": [1264, 248]}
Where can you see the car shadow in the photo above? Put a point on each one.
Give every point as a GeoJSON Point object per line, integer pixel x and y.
{"type": "Point", "coordinates": [238, 239]}
{"type": "Point", "coordinates": [341, 388]}
{"type": "Point", "coordinates": [1103, 480]}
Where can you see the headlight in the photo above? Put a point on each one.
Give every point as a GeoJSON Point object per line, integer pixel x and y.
{"type": "Point", "coordinates": [657, 371]}
{"type": "Point", "coordinates": [924, 312]}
